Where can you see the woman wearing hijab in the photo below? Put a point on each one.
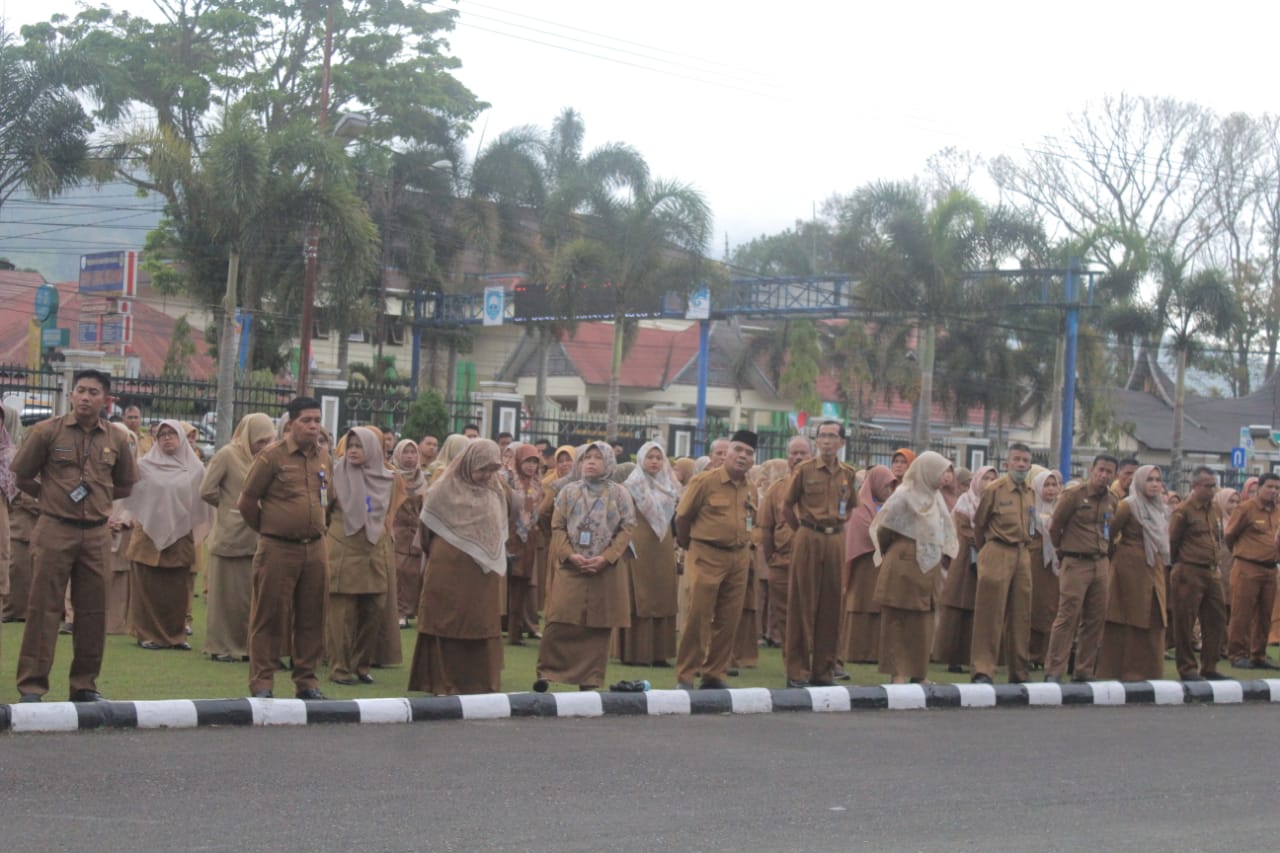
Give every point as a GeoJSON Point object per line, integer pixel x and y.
{"type": "Point", "coordinates": [170, 520]}
{"type": "Point", "coordinates": [232, 543]}
{"type": "Point", "coordinates": [591, 528]}
{"type": "Point", "coordinates": [651, 563]}
{"type": "Point", "coordinates": [404, 530]}
{"type": "Point", "coordinates": [1046, 487]}
{"type": "Point", "coordinates": [120, 578]}
{"type": "Point", "coordinates": [912, 533]}
{"type": "Point", "coordinates": [554, 480]}
{"type": "Point", "coordinates": [900, 462]}
{"type": "Point", "coordinates": [464, 533]}
{"type": "Point", "coordinates": [452, 448]}
{"type": "Point", "coordinates": [1133, 639]}
{"type": "Point", "coordinates": [955, 625]}
{"type": "Point", "coordinates": [861, 623]}
{"type": "Point", "coordinates": [23, 512]}
{"type": "Point", "coordinates": [1227, 501]}
{"type": "Point", "coordinates": [526, 547]}
{"type": "Point", "coordinates": [364, 500]}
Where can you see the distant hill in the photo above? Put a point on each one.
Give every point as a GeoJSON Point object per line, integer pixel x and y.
{"type": "Point", "coordinates": [50, 236]}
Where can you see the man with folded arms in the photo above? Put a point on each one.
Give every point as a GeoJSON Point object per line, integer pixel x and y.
{"type": "Point", "coordinates": [1251, 536]}
{"type": "Point", "coordinates": [1195, 545]}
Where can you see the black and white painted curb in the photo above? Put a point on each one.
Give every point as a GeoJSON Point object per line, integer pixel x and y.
{"type": "Point", "coordinates": [192, 713]}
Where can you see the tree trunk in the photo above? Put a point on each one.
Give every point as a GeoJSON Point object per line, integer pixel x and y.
{"type": "Point", "coordinates": [544, 361]}
{"type": "Point", "coordinates": [451, 380]}
{"type": "Point", "coordinates": [1179, 401]}
{"type": "Point", "coordinates": [615, 380]}
{"type": "Point", "coordinates": [920, 435]}
{"type": "Point", "coordinates": [344, 350]}
{"type": "Point", "coordinates": [227, 352]}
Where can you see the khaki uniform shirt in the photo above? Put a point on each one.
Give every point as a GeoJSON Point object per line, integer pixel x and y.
{"type": "Point", "coordinates": [64, 456]}
{"type": "Point", "coordinates": [775, 534]}
{"type": "Point", "coordinates": [1082, 521]}
{"type": "Point", "coordinates": [1195, 534]}
{"type": "Point", "coordinates": [820, 495]}
{"type": "Point", "coordinates": [1251, 533]}
{"type": "Point", "coordinates": [287, 483]}
{"type": "Point", "coordinates": [1004, 513]}
{"type": "Point", "coordinates": [719, 511]}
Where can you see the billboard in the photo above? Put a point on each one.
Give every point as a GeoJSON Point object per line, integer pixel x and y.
{"type": "Point", "coordinates": [109, 273]}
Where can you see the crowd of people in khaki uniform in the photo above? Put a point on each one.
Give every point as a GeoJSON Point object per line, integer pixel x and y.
{"type": "Point", "coordinates": [321, 553]}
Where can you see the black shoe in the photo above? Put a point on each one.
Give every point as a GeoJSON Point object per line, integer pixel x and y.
{"type": "Point", "coordinates": [1215, 676]}
{"type": "Point", "coordinates": [30, 697]}
{"type": "Point", "coordinates": [980, 678]}
{"type": "Point", "coordinates": [1242, 663]}
{"type": "Point", "coordinates": [684, 685]}
{"type": "Point", "coordinates": [822, 682]}
{"type": "Point", "coordinates": [795, 682]}
{"type": "Point", "coordinates": [66, 628]}
{"type": "Point", "coordinates": [1083, 679]}
{"type": "Point", "coordinates": [309, 694]}
{"type": "Point", "coordinates": [150, 646]}
{"type": "Point", "coordinates": [1264, 663]}
{"type": "Point", "coordinates": [181, 647]}
{"type": "Point", "coordinates": [732, 672]}
{"type": "Point", "coordinates": [87, 696]}
{"type": "Point", "coordinates": [661, 663]}
{"type": "Point", "coordinates": [712, 684]}
{"type": "Point", "coordinates": [955, 669]}
{"type": "Point", "coordinates": [541, 685]}
{"type": "Point", "coordinates": [364, 678]}
{"type": "Point", "coordinates": [1193, 678]}
{"type": "Point", "coordinates": [224, 658]}
{"type": "Point", "coordinates": [1053, 679]}
{"type": "Point", "coordinates": [345, 682]}
{"type": "Point", "coordinates": [264, 694]}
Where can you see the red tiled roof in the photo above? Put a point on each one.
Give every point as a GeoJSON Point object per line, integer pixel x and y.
{"type": "Point", "coordinates": [152, 329]}
{"type": "Point", "coordinates": [653, 362]}
{"type": "Point", "coordinates": [897, 409]}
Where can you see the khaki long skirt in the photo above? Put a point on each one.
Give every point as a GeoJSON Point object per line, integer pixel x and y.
{"type": "Point", "coordinates": [1130, 653]}
{"type": "Point", "coordinates": [230, 594]}
{"type": "Point", "coordinates": [905, 639]}
{"type": "Point", "coordinates": [158, 604]}
{"type": "Point", "coordinates": [572, 654]}
{"type": "Point", "coordinates": [443, 666]}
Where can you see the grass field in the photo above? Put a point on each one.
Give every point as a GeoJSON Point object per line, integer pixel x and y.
{"type": "Point", "coordinates": [129, 672]}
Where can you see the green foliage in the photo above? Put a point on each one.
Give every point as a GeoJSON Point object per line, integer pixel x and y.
{"type": "Point", "coordinates": [799, 377]}
{"type": "Point", "coordinates": [427, 416]}
{"type": "Point", "coordinates": [181, 348]}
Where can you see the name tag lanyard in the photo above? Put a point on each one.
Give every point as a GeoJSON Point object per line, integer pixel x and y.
{"type": "Point", "coordinates": [584, 536]}
{"type": "Point", "coordinates": [81, 491]}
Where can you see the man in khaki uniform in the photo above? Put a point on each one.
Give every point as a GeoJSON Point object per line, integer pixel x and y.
{"type": "Point", "coordinates": [717, 453]}
{"type": "Point", "coordinates": [82, 465]}
{"type": "Point", "coordinates": [1195, 546]}
{"type": "Point", "coordinates": [284, 498]}
{"type": "Point", "coordinates": [1081, 534]}
{"type": "Point", "coordinates": [777, 540]}
{"type": "Point", "coordinates": [1124, 477]}
{"type": "Point", "coordinates": [1251, 536]}
{"type": "Point", "coordinates": [133, 420]}
{"type": "Point", "coordinates": [820, 497]}
{"type": "Point", "coordinates": [1002, 604]}
{"type": "Point", "coordinates": [713, 525]}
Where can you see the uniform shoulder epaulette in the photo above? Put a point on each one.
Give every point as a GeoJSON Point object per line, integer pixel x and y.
{"type": "Point", "coordinates": [850, 468]}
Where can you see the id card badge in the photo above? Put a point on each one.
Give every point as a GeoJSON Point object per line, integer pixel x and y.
{"type": "Point", "coordinates": [79, 493]}
{"type": "Point", "coordinates": [751, 522]}
{"type": "Point", "coordinates": [844, 507]}
{"type": "Point", "coordinates": [324, 490]}
{"type": "Point", "coordinates": [584, 538]}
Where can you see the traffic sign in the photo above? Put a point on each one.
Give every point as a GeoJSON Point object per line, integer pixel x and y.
{"type": "Point", "coordinates": [1237, 458]}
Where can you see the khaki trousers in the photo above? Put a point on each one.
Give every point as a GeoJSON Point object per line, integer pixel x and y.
{"type": "Point", "coordinates": [62, 553]}
{"type": "Point", "coordinates": [1253, 594]}
{"type": "Point", "coordinates": [1197, 594]}
{"type": "Point", "coordinates": [353, 627]}
{"type": "Point", "coordinates": [289, 580]}
{"type": "Point", "coordinates": [814, 605]}
{"type": "Point", "coordinates": [1082, 607]}
{"type": "Point", "coordinates": [1002, 610]}
{"type": "Point", "coordinates": [717, 582]}
{"type": "Point", "coordinates": [779, 579]}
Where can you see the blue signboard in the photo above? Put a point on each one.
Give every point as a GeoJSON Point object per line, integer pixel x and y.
{"type": "Point", "coordinates": [109, 273]}
{"type": "Point", "coordinates": [1237, 458]}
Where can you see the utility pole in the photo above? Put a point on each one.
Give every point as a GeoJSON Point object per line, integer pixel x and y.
{"type": "Point", "coordinates": [311, 250]}
{"type": "Point", "coordinates": [1072, 299]}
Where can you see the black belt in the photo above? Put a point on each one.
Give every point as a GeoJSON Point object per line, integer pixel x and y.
{"type": "Point", "coordinates": [1195, 565]}
{"type": "Point", "coordinates": [720, 547]}
{"type": "Point", "coordinates": [1078, 556]}
{"type": "Point", "coordinates": [294, 541]}
{"type": "Point", "coordinates": [1258, 563]}
{"type": "Point", "coordinates": [826, 530]}
{"type": "Point", "coordinates": [82, 523]}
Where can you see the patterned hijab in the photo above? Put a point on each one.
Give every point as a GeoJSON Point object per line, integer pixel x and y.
{"type": "Point", "coordinates": [916, 510]}
{"type": "Point", "coordinates": [1153, 515]}
{"type": "Point", "coordinates": [1044, 515]}
{"type": "Point", "coordinates": [655, 495]}
{"type": "Point", "coordinates": [470, 516]}
{"type": "Point", "coordinates": [364, 491]}
{"type": "Point", "coordinates": [452, 448]}
{"type": "Point", "coordinates": [877, 486]}
{"type": "Point", "coordinates": [166, 499]}
{"type": "Point", "coordinates": [594, 508]}
{"type": "Point", "coordinates": [526, 493]}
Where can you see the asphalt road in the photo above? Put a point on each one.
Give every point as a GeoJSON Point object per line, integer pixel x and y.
{"type": "Point", "coordinates": [1127, 778]}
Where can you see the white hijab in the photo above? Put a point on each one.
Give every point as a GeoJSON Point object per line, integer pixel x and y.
{"type": "Point", "coordinates": [655, 496]}
{"type": "Point", "coordinates": [917, 510]}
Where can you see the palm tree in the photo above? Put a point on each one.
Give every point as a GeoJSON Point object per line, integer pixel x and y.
{"type": "Point", "coordinates": [636, 247]}
{"type": "Point", "coordinates": [1200, 306]}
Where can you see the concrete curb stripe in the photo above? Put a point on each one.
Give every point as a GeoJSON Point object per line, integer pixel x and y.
{"type": "Point", "coordinates": [1255, 691]}
{"type": "Point", "coordinates": [1043, 694]}
{"type": "Point", "coordinates": [384, 710]}
{"type": "Point", "coordinates": [426, 708]}
{"type": "Point", "coordinates": [825, 699]}
{"type": "Point", "coordinates": [868, 698]}
{"type": "Point", "coordinates": [1107, 692]}
{"type": "Point", "coordinates": [623, 704]}
{"type": "Point", "coordinates": [1167, 692]}
{"type": "Point", "coordinates": [977, 695]}
{"type": "Point", "coordinates": [905, 697]}
{"type": "Point", "coordinates": [490, 706]}
{"type": "Point", "coordinates": [1011, 696]}
{"type": "Point", "coordinates": [1227, 692]}
{"type": "Point", "coordinates": [660, 702]}
{"type": "Point", "coordinates": [710, 702]}
{"type": "Point", "coordinates": [751, 700]}
{"type": "Point", "coordinates": [169, 714]}
{"type": "Point", "coordinates": [278, 712]}
{"type": "Point", "coordinates": [332, 711]}
{"type": "Point", "coordinates": [1273, 685]}
{"type": "Point", "coordinates": [224, 712]}
{"type": "Point", "coordinates": [45, 717]}
{"type": "Point", "coordinates": [584, 704]}
{"type": "Point", "coordinates": [107, 715]}
{"type": "Point", "coordinates": [6, 718]}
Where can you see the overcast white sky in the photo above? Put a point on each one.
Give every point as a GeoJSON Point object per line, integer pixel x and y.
{"type": "Point", "coordinates": [771, 107]}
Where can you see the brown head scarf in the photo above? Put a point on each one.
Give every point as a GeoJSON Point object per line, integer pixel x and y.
{"type": "Point", "coordinates": [877, 486]}
{"type": "Point", "coordinates": [470, 516]}
{"type": "Point", "coordinates": [526, 493]}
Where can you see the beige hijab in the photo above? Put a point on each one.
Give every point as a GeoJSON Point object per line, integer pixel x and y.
{"type": "Point", "coordinates": [469, 516]}
{"type": "Point", "coordinates": [1044, 517]}
{"type": "Point", "coordinates": [415, 479]}
{"type": "Point", "coordinates": [1153, 515]}
{"type": "Point", "coordinates": [166, 499]}
{"type": "Point", "coordinates": [364, 491]}
{"type": "Point", "coordinates": [916, 509]}
{"type": "Point", "coordinates": [454, 445]}
{"type": "Point", "coordinates": [252, 428]}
